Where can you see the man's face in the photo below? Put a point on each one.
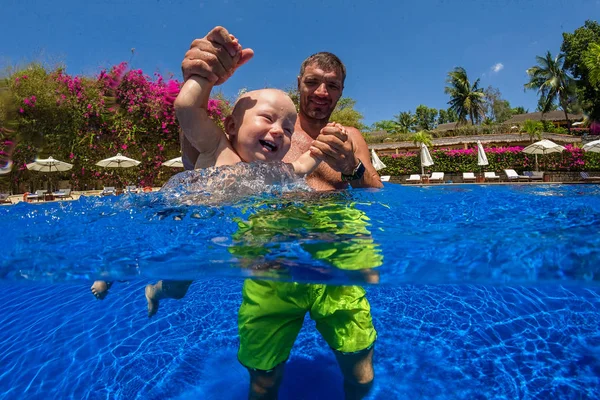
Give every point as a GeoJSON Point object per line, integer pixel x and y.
{"type": "Point", "coordinates": [320, 91]}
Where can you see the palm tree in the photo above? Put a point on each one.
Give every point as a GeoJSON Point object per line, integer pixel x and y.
{"type": "Point", "coordinates": [552, 83]}
{"type": "Point", "coordinates": [466, 99]}
{"type": "Point", "coordinates": [405, 121]}
{"type": "Point", "coordinates": [533, 129]}
{"type": "Point", "coordinates": [591, 60]}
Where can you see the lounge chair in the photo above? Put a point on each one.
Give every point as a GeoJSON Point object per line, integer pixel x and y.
{"type": "Point", "coordinates": [414, 178]}
{"type": "Point", "coordinates": [534, 175]}
{"type": "Point", "coordinates": [131, 189]}
{"type": "Point", "coordinates": [385, 178]}
{"type": "Point", "coordinates": [38, 195]}
{"type": "Point", "coordinates": [108, 191]}
{"type": "Point", "coordinates": [63, 194]}
{"type": "Point", "coordinates": [436, 177]}
{"type": "Point", "coordinates": [491, 176]}
{"type": "Point", "coordinates": [4, 198]}
{"type": "Point", "coordinates": [586, 177]}
{"type": "Point", "coordinates": [512, 175]}
{"type": "Point", "coordinates": [469, 177]}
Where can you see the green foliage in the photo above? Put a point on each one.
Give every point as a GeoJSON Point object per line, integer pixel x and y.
{"type": "Point", "coordinates": [387, 125]}
{"type": "Point", "coordinates": [591, 59]}
{"type": "Point", "coordinates": [405, 121]}
{"type": "Point", "coordinates": [346, 115]}
{"type": "Point", "coordinates": [421, 137]}
{"type": "Point", "coordinates": [446, 116]}
{"type": "Point", "coordinates": [425, 118]}
{"type": "Point", "coordinates": [82, 120]}
{"type": "Point", "coordinates": [575, 46]}
{"type": "Point", "coordinates": [295, 96]}
{"type": "Point", "coordinates": [497, 109]}
{"type": "Point", "coordinates": [519, 110]}
{"type": "Point", "coordinates": [551, 81]}
{"type": "Point", "coordinates": [533, 129]}
{"type": "Point", "coordinates": [458, 161]}
{"type": "Point", "coordinates": [466, 99]}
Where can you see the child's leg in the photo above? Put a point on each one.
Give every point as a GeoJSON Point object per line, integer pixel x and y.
{"type": "Point", "coordinates": [164, 289]}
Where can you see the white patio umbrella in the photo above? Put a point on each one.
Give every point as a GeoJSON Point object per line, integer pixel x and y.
{"type": "Point", "coordinates": [426, 159]}
{"type": "Point", "coordinates": [577, 123]}
{"type": "Point", "coordinates": [174, 163]}
{"type": "Point", "coordinates": [49, 165]}
{"type": "Point", "coordinates": [543, 147]}
{"type": "Point", "coordinates": [118, 161]}
{"type": "Point", "coordinates": [594, 146]}
{"type": "Point", "coordinates": [481, 156]}
{"type": "Point", "coordinates": [377, 163]}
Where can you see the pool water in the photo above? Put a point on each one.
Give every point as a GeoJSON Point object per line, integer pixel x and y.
{"type": "Point", "coordinates": [485, 292]}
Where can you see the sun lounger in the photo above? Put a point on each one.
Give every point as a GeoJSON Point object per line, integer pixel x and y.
{"type": "Point", "coordinates": [385, 178]}
{"type": "Point", "coordinates": [4, 198]}
{"type": "Point", "coordinates": [131, 189]}
{"type": "Point", "coordinates": [512, 175]}
{"type": "Point", "coordinates": [491, 176]}
{"type": "Point", "coordinates": [414, 178]}
{"type": "Point", "coordinates": [534, 175]}
{"type": "Point", "coordinates": [469, 177]}
{"type": "Point", "coordinates": [586, 177]}
{"type": "Point", "coordinates": [436, 177]}
{"type": "Point", "coordinates": [38, 195]}
{"type": "Point", "coordinates": [63, 194]}
{"type": "Point", "coordinates": [108, 191]}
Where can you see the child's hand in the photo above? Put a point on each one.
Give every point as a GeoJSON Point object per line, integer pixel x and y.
{"type": "Point", "coordinates": [215, 57]}
{"type": "Point", "coordinates": [333, 147]}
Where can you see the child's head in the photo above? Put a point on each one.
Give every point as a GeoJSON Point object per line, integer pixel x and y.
{"type": "Point", "coordinates": [261, 125]}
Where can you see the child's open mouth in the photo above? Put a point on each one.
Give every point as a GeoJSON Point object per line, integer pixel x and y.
{"type": "Point", "coordinates": [270, 146]}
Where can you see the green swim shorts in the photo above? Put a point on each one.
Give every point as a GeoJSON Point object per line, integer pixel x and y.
{"type": "Point", "coordinates": [272, 313]}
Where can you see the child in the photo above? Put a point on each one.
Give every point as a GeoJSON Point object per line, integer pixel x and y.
{"type": "Point", "coordinates": [259, 129]}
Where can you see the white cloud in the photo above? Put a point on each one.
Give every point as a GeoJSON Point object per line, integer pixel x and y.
{"type": "Point", "coordinates": [497, 67]}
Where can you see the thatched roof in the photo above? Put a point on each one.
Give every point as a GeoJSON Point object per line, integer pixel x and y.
{"type": "Point", "coordinates": [556, 115]}
{"type": "Point", "coordinates": [450, 126]}
{"type": "Point", "coordinates": [505, 138]}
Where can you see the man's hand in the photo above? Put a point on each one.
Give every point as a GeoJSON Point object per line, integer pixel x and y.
{"type": "Point", "coordinates": [333, 147]}
{"type": "Point", "coordinates": [215, 57]}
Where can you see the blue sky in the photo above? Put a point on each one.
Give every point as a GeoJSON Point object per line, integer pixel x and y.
{"type": "Point", "coordinates": [397, 53]}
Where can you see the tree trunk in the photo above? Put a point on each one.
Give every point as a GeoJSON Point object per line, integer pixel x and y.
{"type": "Point", "coordinates": [562, 103]}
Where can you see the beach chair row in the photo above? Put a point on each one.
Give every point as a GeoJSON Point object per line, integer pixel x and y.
{"type": "Point", "coordinates": [511, 175]}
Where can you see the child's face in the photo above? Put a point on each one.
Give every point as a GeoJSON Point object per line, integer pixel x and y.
{"type": "Point", "coordinates": [262, 128]}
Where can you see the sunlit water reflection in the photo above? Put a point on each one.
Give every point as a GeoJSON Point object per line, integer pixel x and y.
{"type": "Point", "coordinates": [439, 335]}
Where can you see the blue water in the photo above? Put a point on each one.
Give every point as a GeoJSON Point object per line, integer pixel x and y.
{"type": "Point", "coordinates": [487, 292]}
{"type": "Point", "coordinates": [449, 234]}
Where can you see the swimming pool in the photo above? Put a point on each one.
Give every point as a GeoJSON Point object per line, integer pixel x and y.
{"type": "Point", "coordinates": [487, 292]}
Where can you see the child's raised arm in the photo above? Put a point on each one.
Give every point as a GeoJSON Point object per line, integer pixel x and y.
{"type": "Point", "coordinates": [306, 164]}
{"type": "Point", "coordinates": [191, 108]}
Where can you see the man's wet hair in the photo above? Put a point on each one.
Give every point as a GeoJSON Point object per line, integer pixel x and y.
{"type": "Point", "coordinates": [326, 61]}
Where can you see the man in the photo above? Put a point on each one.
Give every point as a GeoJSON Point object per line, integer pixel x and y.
{"type": "Point", "coordinates": [320, 84]}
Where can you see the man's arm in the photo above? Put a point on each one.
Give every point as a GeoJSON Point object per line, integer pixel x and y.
{"type": "Point", "coordinates": [342, 148]}
{"type": "Point", "coordinates": [371, 178]}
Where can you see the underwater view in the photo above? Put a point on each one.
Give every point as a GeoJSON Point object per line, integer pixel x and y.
{"type": "Point", "coordinates": [491, 294]}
